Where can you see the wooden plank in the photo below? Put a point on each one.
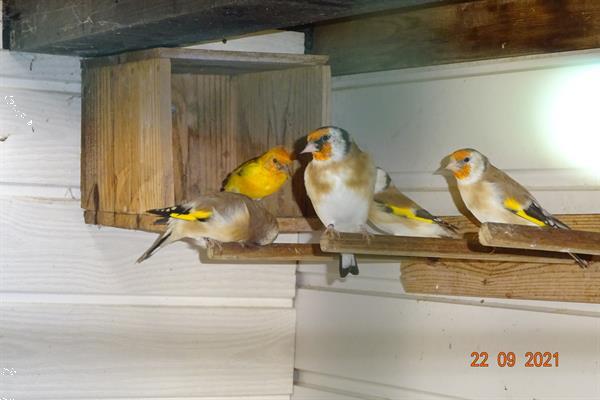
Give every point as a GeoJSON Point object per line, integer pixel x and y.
{"type": "Point", "coordinates": [277, 252]}
{"type": "Point", "coordinates": [109, 27]}
{"type": "Point", "coordinates": [510, 280]}
{"type": "Point", "coordinates": [73, 258]}
{"type": "Point", "coordinates": [456, 32]}
{"type": "Point", "coordinates": [202, 133]}
{"type": "Point", "coordinates": [531, 237]}
{"type": "Point", "coordinates": [280, 108]}
{"type": "Point", "coordinates": [127, 164]}
{"type": "Point", "coordinates": [145, 352]}
{"type": "Point", "coordinates": [462, 249]}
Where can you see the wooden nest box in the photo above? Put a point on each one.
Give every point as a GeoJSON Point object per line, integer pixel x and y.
{"type": "Point", "coordinates": [165, 125]}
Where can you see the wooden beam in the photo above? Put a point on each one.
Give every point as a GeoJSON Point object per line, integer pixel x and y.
{"type": "Point", "coordinates": [402, 246]}
{"type": "Point", "coordinates": [277, 252]}
{"type": "Point", "coordinates": [92, 28]}
{"type": "Point", "coordinates": [535, 238]}
{"type": "Point", "coordinates": [456, 32]}
{"type": "Point", "coordinates": [508, 280]}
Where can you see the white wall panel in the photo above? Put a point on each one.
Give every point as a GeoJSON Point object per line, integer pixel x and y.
{"type": "Point", "coordinates": [82, 351]}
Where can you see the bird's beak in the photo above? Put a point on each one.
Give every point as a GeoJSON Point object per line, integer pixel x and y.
{"type": "Point", "coordinates": [311, 147]}
{"type": "Point", "coordinates": [288, 169]}
{"type": "Point", "coordinates": [440, 171]}
{"type": "Point", "coordinates": [447, 165]}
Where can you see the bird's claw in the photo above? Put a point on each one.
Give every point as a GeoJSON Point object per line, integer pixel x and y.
{"type": "Point", "coordinates": [331, 232]}
{"type": "Point", "coordinates": [213, 243]}
{"type": "Point", "coordinates": [367, 236]}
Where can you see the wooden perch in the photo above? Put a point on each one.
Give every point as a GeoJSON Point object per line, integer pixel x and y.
{"type": "Point", "coordinates": [535, 238]}
{"type": "Point", "coordinates": [433, 247]}
{"type": "Point", "coordinates": [277, 252]}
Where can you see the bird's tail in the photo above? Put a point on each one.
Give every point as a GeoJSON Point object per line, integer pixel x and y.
{"type": "Point", "coordinates": [158, 243]}
{"type": "Point", "coordinates": [348, 265]}
{"type": "Point", "coordinates": [582, 263]}
{"type": "Point", "coordinates": [448, 227]}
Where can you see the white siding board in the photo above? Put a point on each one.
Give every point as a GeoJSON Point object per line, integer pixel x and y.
{"type": "Point", "coordinates": [83, 351]}
{"type": "Point", "coordinates": [46, 248]}
{"type": "Point", "coordinates": [424, 346]}
{"type": "Point", "coordinates": [51, 154]}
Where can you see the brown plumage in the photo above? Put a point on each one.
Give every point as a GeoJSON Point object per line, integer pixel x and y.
{"type": "Point", "coordinates": [339, 182]}
{"type": "Point", "coordinates": [218, 217]}
{"type": "Point", "coordinates": [493, 196]}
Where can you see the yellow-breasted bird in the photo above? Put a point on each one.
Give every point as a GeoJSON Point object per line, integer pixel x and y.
{"type": "Point", "coordinates": [493, 196]}
{"type": "Point", "coordinates": [218, 218]}
{"type": "Point", "coordinates": [260, 176]}
{"type": "Point", "coordinates": [339, 182]}
{"type": "Point", "coordinates": [394, 213]}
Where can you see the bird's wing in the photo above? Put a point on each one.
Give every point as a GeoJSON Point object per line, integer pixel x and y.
{"type": "Point", "coordinates": [518, 200]}
{"type": "Point", "coordinates": [244, 169]}
{"type": "Point", "coordinates": [533, 212]}
{"type": "Point", "coordinates": [394, 202]}
{"type": "Point", "coordinates": [185, 212]}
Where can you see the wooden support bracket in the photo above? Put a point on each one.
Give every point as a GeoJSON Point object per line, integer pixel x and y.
{"type": "Point", "coordinates": [534, 238]}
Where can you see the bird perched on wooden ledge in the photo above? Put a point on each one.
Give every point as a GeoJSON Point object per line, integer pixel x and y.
{"type": "Point", "coordinates": [493, 196]}
{"type": "Point", "coordinates": [394, 213]}
{"type": "Point", "coordinates": [216, 218]}
{"type": "Point", "coordinates": [260, 176]}
{"type": "Point", "coordinates": [339, 182]}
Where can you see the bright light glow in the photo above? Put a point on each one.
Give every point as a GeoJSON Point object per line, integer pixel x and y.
{"type": "Point", "coordinates": [572, 119]}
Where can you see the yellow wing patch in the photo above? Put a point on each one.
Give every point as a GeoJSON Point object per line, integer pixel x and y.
{"type": "Point", "coordinates": [407, 213]}
{"type": "Point", "coordinates": [193, 216]}
{"type": "Point", "coordinates": [514, 206]}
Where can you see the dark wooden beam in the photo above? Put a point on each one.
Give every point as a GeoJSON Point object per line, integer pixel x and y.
{"type": "Point", "coordinates": [458, 32]}
{"type": "Point", "coordinates": [101, 27]}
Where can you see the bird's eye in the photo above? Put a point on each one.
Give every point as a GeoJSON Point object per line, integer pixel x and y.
{"type": "Point", "coordinates": [325, 138]}
{"type": "Point", "coordinates": [275, 161]}
{"type": "Point", "coordinates": [467, 159]}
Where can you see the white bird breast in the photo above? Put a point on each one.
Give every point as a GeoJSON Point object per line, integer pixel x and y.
{"type": "Point", "coordinates": [343, 207]}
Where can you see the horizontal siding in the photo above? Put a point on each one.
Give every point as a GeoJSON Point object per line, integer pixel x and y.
{"type": "Point", "coordinates": [86, 351]}
{"type": "Point", "coordinates": [395, 348]}
{"type": "Point", "coordinates": [46, 248]}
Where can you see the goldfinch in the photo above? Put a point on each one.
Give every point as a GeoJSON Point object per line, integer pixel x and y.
{"type": "Point", "coordinates": [339, 182]}
{"type": "Point", "coordinates": [216, 218]}
{"type": "Point", "coordinates": [260, 176]}
{"type": "Point", "coordinates": [394, 213]}
{"type": "Point", "coordinates": [493, 196]}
